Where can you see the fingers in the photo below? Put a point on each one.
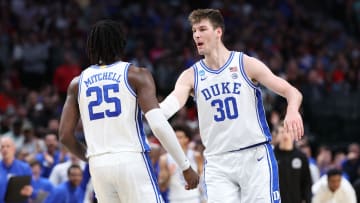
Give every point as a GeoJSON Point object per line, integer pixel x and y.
{"type": "Point", "coordinates": [295, 129]}
{"type": "Point", "coordinates": [193, 184]}
{"type": "Point", "coordinates": [192, 178]}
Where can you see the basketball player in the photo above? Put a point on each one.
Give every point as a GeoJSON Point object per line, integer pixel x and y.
{"type": "Point", "coordinates": [170, 177]}
{"type": "Point", "coordinates": [240, 165]}
{"type": "Point", "coordinates": [110, 97]}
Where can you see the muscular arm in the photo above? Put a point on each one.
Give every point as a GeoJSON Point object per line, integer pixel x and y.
{"type": "Point", "coordinates": [178, 97]}
{"type": "Point", "coordinates": [69, 119]}
{"type": "Point", "coordinates": [258, 71]}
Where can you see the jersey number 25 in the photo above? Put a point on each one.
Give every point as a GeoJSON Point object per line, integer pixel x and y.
{"type": "Point", "coordinates": [102, 95]}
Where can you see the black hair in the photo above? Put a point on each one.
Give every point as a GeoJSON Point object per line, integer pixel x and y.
{"type": "Point", "coordinates": [105, 42]}
{"type": "Point", "coordinates": [333, 172]}
{"type": "Point", "coordinates": [73, 166]}
{"type": "Point", "coordinates": [184, 128]}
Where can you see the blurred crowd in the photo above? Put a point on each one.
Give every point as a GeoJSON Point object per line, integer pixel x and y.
{"type": "Point", "coordinates": [313, 45]}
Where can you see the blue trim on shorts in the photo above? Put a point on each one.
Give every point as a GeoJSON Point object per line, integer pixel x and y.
{"type": "Point", "coordinates": [140, 129]}
{"type": "Point", "coordinates": [152, 176]}
{"type": "Point", "coordinates": [274, 174]}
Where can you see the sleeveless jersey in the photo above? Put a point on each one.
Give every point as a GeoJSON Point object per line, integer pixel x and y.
{"type": "Point", "coordinates": [110, 114]}
{"type": "Point", "coordinates": [230, 109]}
{"type": "Point", "coordinates": [177, 182]}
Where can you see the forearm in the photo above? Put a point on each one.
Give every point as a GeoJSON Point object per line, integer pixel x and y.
{"type": "Point", "coordinates": [294, 99]}
{"type": "Point", "coordinates": [75, 148]}
{"type": "Point", "coordinates": [166, 135]}
{"type": "Point", "coordinates": [169, 106]}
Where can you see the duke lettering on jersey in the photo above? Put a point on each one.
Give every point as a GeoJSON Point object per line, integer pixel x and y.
{"type": "Point", "coordinates": [221, 88]}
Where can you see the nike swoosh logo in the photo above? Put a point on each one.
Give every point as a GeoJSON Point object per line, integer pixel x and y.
{"type": "Point", "coordinates": [203, 79]}
{"type": "Point", "coordinates": [259, 159]}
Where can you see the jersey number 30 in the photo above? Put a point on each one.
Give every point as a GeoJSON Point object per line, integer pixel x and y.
{"type": "Point", "coordinates": [226, 109]}
{"type": "Point", "coordinates": [102, 95]}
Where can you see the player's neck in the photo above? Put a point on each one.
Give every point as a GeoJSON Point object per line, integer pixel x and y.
{"type": "Point", "coordinates": [217, 57]}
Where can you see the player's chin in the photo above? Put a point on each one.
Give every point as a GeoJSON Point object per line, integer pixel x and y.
{"type": "Point", "coordinates": [201, 52]}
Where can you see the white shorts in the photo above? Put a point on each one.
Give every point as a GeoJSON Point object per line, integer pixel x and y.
{"type": "Point", "coordinates": [125, 177]}
{"type": "Point", "coordinates": [245, 176]}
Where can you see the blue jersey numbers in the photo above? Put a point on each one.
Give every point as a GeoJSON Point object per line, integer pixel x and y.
{"type": "Point", "coordinates": [103, 94]}
{"type": "Point", "coordinates": [226, 108]}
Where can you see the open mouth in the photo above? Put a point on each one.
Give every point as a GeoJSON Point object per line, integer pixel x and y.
{"type": "Point", "coordinates": [199, 44]}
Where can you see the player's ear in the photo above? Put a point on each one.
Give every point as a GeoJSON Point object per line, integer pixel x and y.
{"type": "Point", "coordinates": [219, 32]}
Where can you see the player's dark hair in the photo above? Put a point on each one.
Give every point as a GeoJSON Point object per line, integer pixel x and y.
{"type": "Point", "coordinates": [213, 15]}
{"type": "Point", "coordinates": [105, 42]}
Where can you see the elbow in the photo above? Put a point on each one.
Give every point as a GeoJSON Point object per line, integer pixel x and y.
{"type": "Point", "coordinates": [300, 95]}
{"type": "Point", "coordinates": [62, 137]}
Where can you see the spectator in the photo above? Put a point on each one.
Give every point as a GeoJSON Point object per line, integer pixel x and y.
{"type": "Point", "coordinates": [333, 188]}
{"type": "Point", "coordinates": [32, 143]}
{"type": "Point", "coordinates": [70, 191]}
{"type": "Point", "coordinates": [294, 171]}
{"type": "Point", "coordinates": [42, 186]}
{"type": "Point", "coordinates": [65, 73]}
{"type": "Point", "coordinates": [357, 189]}
{"type": "Point", "coordinates": [59, 173]}
{"type": "Point", "coordinates": [15, 133]}
{"type": "Point", "coordinates": [52, 156]}
{"type": "Point", "coordinates": [351, 165]}
{"type": "Point", "coordinates": [324, 159]}
{"type": "Point", "coordinates": [305, 148]}
{"type": "Point", "coordinates": [170, 177]}
{"type": "Point", "coordinates": [10, 166]}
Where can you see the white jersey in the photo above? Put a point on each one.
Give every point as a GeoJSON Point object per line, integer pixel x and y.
{"type": "Point", "coordinates": [177, 192]}
{"type": "Point", "coordinates": [229, 105]}
{"type": "Point", "coordinates": [109, 111]}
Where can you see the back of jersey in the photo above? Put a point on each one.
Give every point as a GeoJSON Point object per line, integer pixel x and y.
{"type": "Point", "coordinates": [109, 111]}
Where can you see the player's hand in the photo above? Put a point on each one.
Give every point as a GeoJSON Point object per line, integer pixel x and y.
{"type": "Point", "coordinates": [294, 125]}
{"type": "Point", "coordinates": [191, 178]}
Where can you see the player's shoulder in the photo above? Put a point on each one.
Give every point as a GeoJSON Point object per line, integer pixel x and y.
{"type": "Point", "coordinates": [74, 82]}
{"type": "Point", "coordinates": [188, 72]}
{"type": "Point", "coordinates": [137, 70]}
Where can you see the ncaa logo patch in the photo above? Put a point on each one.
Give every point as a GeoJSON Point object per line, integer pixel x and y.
{"type": "Point", "coordinates": [234, 76]}
{"type": "Point", "coordinates": [202, 75]}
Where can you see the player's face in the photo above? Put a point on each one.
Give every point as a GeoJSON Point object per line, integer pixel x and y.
{"type": "Point", "coordinates": [205, 36]}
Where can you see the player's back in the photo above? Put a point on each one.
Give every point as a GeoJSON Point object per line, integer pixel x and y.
{"type": "Point", "coordinates": [109, 111]}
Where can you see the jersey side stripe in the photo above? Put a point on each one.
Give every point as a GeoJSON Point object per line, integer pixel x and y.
{"type": "Point", "coordinates": [261, 115]}
{"type": "Point", "coordinates": [195, 80]}
{"type": "Point", "coordinates": [243, 73]}
{"type": "Point", "coordinates": [126, 70]}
